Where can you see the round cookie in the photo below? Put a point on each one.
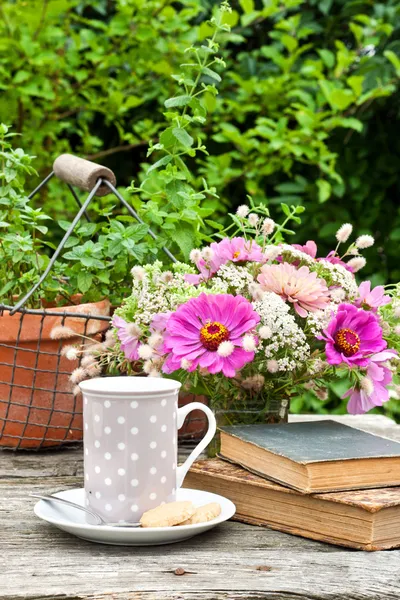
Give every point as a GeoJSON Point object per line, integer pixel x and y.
{"type": "Point", "coordinates": [203, 514]}
{"type": "Point", "coordinates": [167, 515]}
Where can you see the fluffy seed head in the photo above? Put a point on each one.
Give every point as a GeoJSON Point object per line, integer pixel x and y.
{"type": "Point", "coordinates": [225, 348]}
{"type": "Point", "coordinates": [364, 241]}
{"type": "Point", "coordinates": [88, 361]}
{"type": "Point", "coordinates": [154, 373]}
{"type": "Point", "coordinates": [256, 291]}
{"type": "Point", "coordinates": [249, 343]}
{"type": "Point", "coordinates": [185, 364]}
{"type": "Point", "coordinates": [207, 254]}
{"type": "Point", "coordinates": [367, 385]}
{"type": "Point", "coordinates": [148, 366]}
{"type": "Point", "coordinates": [272, 365]}
{"type": "Point", "coordinates": [195, 256]}
{"type": "Point", "coordinates": [145, 351]}
{"type": "Point", "coordinates": [397, 312]}
{"type": "Point", "coordinates": [94, 370]}
{"type": "Point", "coordinates": [344, 232]}
{"type": "Point", "coordinates": [321, 393]}
{"type": "Point", "coordinates": [78, 375]}
{"type": "Point", "coordinates": [76, 391]}
{"type": "Point", "coordinates": [255, 383]}
{"type": "Point", "coordinates": [397, 330]}
{"type": "Point", "coordinates": [167, 277]}
{"type": "Point", "coordinates": [61, 332]}
{"type": "Point", "coordinates": [268, 226]}
{"type": "Point", "coordinates": [272, 252]}
{"type": "Point", "coordinates": [203, 371]}
{"type": "Point", "coordinates": [70, 352]}
{"type": "Point", "coordinates": [253, 219]}
{"type": "Point", "coordinates": [138, 273]}
{"type": "Point", "coordinates": [133, 330]}
{"type": "Point", "coordinates": [110, 338]}
{"type": "Point", "coordinates": [357, 263]}
{"type": "Point", "coordinates": [243, 211]}
{"type": "Point", "coordinates": [155, 340]}
{"type": "Point", "coordinates": [265, 332]}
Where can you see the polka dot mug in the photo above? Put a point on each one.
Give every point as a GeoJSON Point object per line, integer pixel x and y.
{"type": "Point", "coordinates": [130, 444]}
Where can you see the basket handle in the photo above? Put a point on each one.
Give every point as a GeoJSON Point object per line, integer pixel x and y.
{"type": "Point", "coordinates": [83, 173]}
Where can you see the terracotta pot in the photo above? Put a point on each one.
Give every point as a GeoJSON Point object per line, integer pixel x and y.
{"type": "Point", "coordinates": [37, 408]}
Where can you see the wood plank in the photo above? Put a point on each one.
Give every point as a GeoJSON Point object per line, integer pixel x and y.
{"type": "Point", "coordinates": [232, 562]}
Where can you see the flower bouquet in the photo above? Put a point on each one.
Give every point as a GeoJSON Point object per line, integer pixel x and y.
{"type": "Point", "coordinates": [253, 321]}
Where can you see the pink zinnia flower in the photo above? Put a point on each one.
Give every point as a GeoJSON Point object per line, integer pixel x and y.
{"type": "Point", "coordinates": [235, 250]}
{"type": "Point", "coordinates": [128, 334]}
{"type": "Point", "coordinates": [371, 299]}
{"type": "Point", "coordinates": [352, 336]}
{"type": "Point", "coordinates": [380, 376]}
{"type": "Point", "coordinates": [199, 327]}
{"type": "Point", "coordinates": [301, 287]}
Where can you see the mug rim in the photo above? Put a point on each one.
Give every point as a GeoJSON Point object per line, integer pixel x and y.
{"type": "Point", "coordinates": [129, 386]}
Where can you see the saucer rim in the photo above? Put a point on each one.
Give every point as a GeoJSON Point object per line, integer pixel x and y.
{"type": "Point", "coordinates": [111, 528]}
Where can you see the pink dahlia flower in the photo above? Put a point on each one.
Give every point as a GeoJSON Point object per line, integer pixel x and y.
{"type": "Point", "coordinates": [371, 299]}
{"type": "Point", "coordinates": [301, 287]}
{"type": "Point", "coordinates": [198, 327]}
{"type": "Point", "coordinates": [352, 336]}
{"type": "Point", "coordinates": [128, 334]}
{"type": "Point", "coordinates": [380, 376]}
{"type": "Point", "coordinates": [235, 250]}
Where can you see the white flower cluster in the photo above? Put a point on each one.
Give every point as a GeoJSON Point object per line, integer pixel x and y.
{"type": "Point", "coordinates": [235, 277]}
{"type": "Point", "coordinates": [154, 291]}
{"type": "Point", "coordinates": [287, 347]}
{"type": "Point", "coordinates": [319, 320]}
{"type": "Point", "coordinates": [295, 254]}
{"type": "Point", "coordinates": [338, 275]}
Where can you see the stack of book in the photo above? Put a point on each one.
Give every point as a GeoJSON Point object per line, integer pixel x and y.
{"type": "Point", "coordinates": [322, 480]}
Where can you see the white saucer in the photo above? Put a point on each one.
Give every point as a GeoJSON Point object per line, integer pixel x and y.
{"type": "Point", "coordinates": [74, 521]}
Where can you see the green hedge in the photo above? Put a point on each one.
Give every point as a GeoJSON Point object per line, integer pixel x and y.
{"type": "Point", "coordinates": [308, 110]}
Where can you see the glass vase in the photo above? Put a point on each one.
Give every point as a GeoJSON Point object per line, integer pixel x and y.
{"type": "Point", "coordinates": [259, 409]}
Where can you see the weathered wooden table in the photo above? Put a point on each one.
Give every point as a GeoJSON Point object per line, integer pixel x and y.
{"type": "Point", "coordinates": [233, 561]}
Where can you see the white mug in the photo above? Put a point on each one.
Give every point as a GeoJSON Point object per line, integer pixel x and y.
{"type": "Point", "coordinates": [130, 444]}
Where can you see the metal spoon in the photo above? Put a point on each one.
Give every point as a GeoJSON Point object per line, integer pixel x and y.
{"type": "Point", "coordinates": [98, 519]}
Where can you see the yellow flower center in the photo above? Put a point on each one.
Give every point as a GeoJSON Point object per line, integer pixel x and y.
{"type": "Point", "coordinates": [347, 341]}
{"type": "Point", "coordinates": [212, 334]}
{"type": "Point", "coordinates": [236, 254]}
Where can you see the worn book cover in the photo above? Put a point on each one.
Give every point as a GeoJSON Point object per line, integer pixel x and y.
{"type": "Point", "coordinates": [362, 519]}
{"type": "Point", "coordinates": [314, 456]}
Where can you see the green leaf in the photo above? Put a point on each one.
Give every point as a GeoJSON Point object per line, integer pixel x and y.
{"type": "Point", "coordinates": [285, 209]}
{"type": "Point", "coordinates": [160, 163]}
{"type": "Point", "coordinates": [324, 190]}
{"type": "Point", "coordinates": [177, 101]}
{"type": "Point", "coordinates": [247, 5]}
{"type": "Point", "coordinates": [212, 74]}
{"type": "Point", "coordinates": [183, 137]}
{"type": "Point", "coordinates": [84, 281]}
{"type": "Point", "coordinates": [328, 57]}
{"type": "Point", "coordinates": [185, 239]}
{"type": "Point", "coordinates": [394, 59]}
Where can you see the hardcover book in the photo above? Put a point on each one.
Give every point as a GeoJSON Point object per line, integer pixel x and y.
{"type": "Point", "coordinates": [314, 456]}
{"type": "Point", "coordinates": [366, 520]}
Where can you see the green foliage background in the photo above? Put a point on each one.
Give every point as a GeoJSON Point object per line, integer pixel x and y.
{"type": "Point", "coordinates": [307, 111]}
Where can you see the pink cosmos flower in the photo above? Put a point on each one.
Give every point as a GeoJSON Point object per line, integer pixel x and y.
{"type": "Point", "coordinates": [371, 299]}
{"type": "Point", "coordinates": [128, 334]}
{"type": "Point", "coordinates": [309, 248]}
{"type": "Point", "coordinates": [380, 376]}
{"type": "Point", "coordinates": [352, 336]}
{"type": "Point", "coordinates": [197, 329]}
{"type": "Point", "coordinates": [301, 287]}
{"type": "Point", "coordinates": [159, 321]}
{"type": "Point", "coordinates": [235, 250]}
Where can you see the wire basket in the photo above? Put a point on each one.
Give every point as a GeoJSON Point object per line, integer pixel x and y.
{"type": "Point", "coordinates": [37, 407]}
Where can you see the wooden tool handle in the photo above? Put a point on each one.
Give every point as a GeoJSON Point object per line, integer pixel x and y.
{"type": "Point", "coordinates": [83, 173]}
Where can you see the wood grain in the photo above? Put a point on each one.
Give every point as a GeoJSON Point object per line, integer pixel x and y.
{"type": "Point", "coordinates": [232, 562]}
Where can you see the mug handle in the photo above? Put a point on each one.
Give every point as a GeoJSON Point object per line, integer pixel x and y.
{"type": "Point", "coordinates": [212, 428]}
